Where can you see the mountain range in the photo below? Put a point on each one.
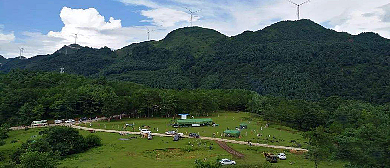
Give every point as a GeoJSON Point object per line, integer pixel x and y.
{"type": "Point", "coordinates": [294, 59]}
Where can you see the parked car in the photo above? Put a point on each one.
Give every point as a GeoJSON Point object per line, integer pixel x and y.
{"type": "Point", "coordinates": [150, 137]}
{"type": "Point", "coordinates": [195, 135]}
{"type": "Point", "coordinates": [145, 131]}
{"type": "Point", "coordinates": [39, 123]}
{"type": "Point", "coordinates": [271, 157]}
{"type": "Point", "coordinates": [176, 137]}
{"type": "Point", "coordinates": [180, 134]}
{"type": "Point", "coordinates": [227, 162]}
{"type": "Point", "coordinates": [282, 156]}
{"type": "Point", "coordinates": [170, 132]}
{"type": "Point", "coordinates": [57, 121]}
{"type": "Point", "coordinates": [70, 121]}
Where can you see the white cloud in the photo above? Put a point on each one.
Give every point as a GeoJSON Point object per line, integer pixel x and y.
{"type": "Point", "coordinates": [147, 3]}
{"type": "Point", "coordinates": [92, 30]}
{"type": "Point", "coordinates": [166, 17]}
{"type": "Point", "coordinates": [6, 38]}
{"type": "Point", "coordinates": [234, 17]}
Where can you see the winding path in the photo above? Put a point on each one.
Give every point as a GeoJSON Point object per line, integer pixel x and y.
{"type": "Point", "coordinates": [186, 136]}
{"type": "Point", "coordinates": [230, 150]}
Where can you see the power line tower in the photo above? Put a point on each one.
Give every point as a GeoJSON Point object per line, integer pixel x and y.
{"type": "Point", "coordinates": [299, 5]}
{"type": "Point", "coordinates": [191, 12]}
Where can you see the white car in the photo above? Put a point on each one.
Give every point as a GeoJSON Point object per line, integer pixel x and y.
{"type": "Point", "coordinates": [70, 121]}
{"type": "Point", "coordinates": [227, 162]}
{"type": "Point", "coordinates": [170, 132]}
{"type": "Point", "coordinates": [282, 156]}
{"type": "Point", "coordinates": [57, 121]}
{"type": "Point", "coordinates": [145, 131]}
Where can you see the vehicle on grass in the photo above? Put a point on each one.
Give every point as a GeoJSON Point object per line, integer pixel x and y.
{"type": "Point", "coordinates": [227, 162]}
{"type": "Point", "coordinates": [176, 137]}
{"type": "Point", "coordinates": [150, 137]}
{"type": "Point", "coordinates": [170, 132]}
{"type": "Point", "coordinates": [57, 121]}
{"type": "Point", "coordinates": [70, 121]}
{"type": "Point", "coordinates": [282, 156]}
{"type": "Point", "coordinates": [145, 131]}
{"type": "Point", "coordinates": [194, 135]}
{"type": "Point", "coordinates": [271, 157]}
{"type": "Point", "coordinates": [195, 125]}
{"type": "Point", "coordinates": [175, 126]}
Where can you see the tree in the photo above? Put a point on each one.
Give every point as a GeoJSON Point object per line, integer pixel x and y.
{"type": "Point", "coordinates": [65, 140]}
{"type": "Point", "coordinates": [4, 129]}
{"type": "Point", "coordinates": [320, 144]}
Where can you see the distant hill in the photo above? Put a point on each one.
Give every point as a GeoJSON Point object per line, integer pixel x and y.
{"type": "Point", "coordinates": [2, 59]}
{"type": "Point", "coordinates": [294, 59]}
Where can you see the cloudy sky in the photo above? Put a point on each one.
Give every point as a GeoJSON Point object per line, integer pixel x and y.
{"type": "Point", "coordinates": [43, 26]}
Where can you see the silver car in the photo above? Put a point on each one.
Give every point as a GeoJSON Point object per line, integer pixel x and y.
{"type": "Point", "coordinates": [227, 162]}
{"type": "Point", "coordinates": [282, 156]}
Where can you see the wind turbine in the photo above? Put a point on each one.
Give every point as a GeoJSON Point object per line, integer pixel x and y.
{"type": "Point", "coordinates": [149, 32]}
{"type": "Point", "coordinates": [75, 38]}
{"type": "Point", "coordinates": [191, 12]}
{"type": "Point", "coordinates": [21, 50]}
{"type": "Point", "coordinates": [299, 5]}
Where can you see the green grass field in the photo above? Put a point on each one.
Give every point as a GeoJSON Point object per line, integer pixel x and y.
{"type": "Point", "coordinates": [163, 152]}
{"type": "Point", "coordinates": [274, 134]}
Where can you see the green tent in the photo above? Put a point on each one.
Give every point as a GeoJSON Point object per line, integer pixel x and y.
{"type": "Point", "coordinates": [243, 126]}
{"type": "Point", "coordinates": [200, 121]}
{"type": "Point", "coordinates": [232, 133]}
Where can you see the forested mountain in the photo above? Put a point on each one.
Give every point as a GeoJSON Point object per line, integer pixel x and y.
{"type": "Point", "coordinates": [2, 59]}
{"type": "Point", "coordinates": [294, 59]}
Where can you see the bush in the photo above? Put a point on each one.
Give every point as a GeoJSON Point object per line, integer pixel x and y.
{"type": "Point", "coordinates": [37, 159]}
{"type": "Point", "coordinates": [4, 129]}
{"type": "Point", "coordinates": [65, 140]}
{"type": "Point", "coordinates": [204, 164]}
{"type": "Point", "coordinates": [2, 142]}
{"type": "Point", "coordinates": [92, 141]}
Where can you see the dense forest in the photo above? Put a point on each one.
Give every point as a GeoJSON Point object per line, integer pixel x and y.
{"type": "Point", "coordinates": [337, 128]}
{"type": "Point", "coordinates": [291, 59]}
{"type": "Point", "coordinates": [28, 96]}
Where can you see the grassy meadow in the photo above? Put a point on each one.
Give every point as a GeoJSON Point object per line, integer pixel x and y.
{"type": "Point", "coordinates": [134, 151]}
{"type": "Point", "coordinates": [273, 134]}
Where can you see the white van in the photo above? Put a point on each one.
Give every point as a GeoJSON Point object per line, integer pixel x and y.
{"type": "Point", "coordinates": [39, 123]}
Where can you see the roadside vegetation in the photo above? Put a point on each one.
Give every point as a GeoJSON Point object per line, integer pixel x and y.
{"type": "Point", "coordinates": [47, 147]}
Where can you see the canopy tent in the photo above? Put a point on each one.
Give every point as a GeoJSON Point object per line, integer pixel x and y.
{"type": "Point", "coordinates": [243, 126]}
{"type": "Point", "coordinates": [232, 133]}
{"type": "Point", "coordinates": [183, 116]}
{"type": "Point", "coordinates": [200, 121]}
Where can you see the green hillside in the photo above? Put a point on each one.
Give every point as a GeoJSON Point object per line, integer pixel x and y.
{"type": "Point", "coordinates": [2, 59]}
{"type": "Point", "coordinates": [293, 59]}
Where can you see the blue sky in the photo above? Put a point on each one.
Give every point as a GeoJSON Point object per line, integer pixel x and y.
{"type": "Point", "coordinates": [43, 26]}
{"type": "Point", "coordinates": [43, 15]}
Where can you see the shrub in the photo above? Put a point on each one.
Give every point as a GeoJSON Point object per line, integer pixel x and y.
{"type": "Point", "coordinates": [92, 141]}
{"type": "Point", "coordinates": [65, 140]}
{"type": "Point", "coordinates": [37, 159]}
{"type": "Point", "coordinates": [209, 164]}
